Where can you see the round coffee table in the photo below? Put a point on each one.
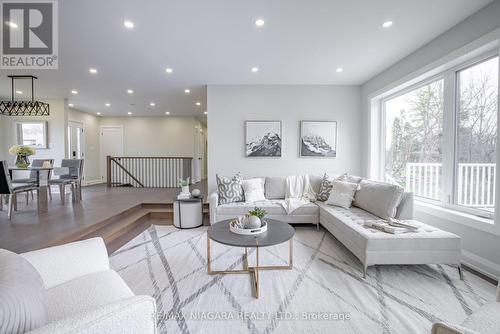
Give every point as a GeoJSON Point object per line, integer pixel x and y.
{"type": "Point", "coordinates": [277, 232]}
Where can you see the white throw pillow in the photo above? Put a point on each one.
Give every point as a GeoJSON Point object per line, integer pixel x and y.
{"type": "Point", "coordinates": [342, 194]}
{"type": "Point", "coordinates": [253, 190]}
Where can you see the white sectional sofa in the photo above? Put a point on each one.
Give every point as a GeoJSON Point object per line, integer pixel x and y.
{"type": "Point", "coordinates": [427, 246]}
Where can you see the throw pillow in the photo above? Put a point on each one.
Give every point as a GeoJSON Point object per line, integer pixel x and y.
{"type": "Point", "coordinates": [275, 187]}
{"type": "Point", "coordinates": [342, 194]}
{"type": "Point", "coordinates": [381, 199]}
{"type": "Point", "coordinates": [23, 298]}
{"type": "Point", "coordinates": [253, 190]}
{"type": "Point", "coordinates": [346, 177]}
{"type": "Point", "coordinates": [230, 189]}
{"type": "Point", "coordinates": [325, 188]}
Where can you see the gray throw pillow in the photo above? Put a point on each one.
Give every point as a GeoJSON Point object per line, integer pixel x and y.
{"type": "Point", "coordinates": [23, 298]}
{"type": "Point", "coordinates": [230, 189]}
{"type": "Point", "coordinates": [381, 199]}
{"type": "Point", "coordinates": [275, 187]}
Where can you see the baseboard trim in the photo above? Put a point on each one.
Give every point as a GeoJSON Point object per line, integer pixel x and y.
{"type": "Point", "coordinates": [92, 182]}
{"type": "Point", "coordinates": [480, 264]}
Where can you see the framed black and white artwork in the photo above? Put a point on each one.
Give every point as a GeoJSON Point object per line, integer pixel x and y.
{"type": "Point", "coordinates": [318, 139]}
{"type": "Point", "coordinates": [263, 138]}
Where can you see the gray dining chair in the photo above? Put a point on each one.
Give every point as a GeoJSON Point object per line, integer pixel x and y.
{"type": "Point", "coordinates": [73, 178]}
{"type": "Point", "coordinates": [10, 189]}
{"type": "Point", "coordinates": [33, 175]}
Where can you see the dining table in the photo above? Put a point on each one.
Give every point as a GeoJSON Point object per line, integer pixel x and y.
{"type": "Point", "coordinates": [42, 182]}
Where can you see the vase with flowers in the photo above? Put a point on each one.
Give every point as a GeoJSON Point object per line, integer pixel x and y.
{"type": "Point", "coordinates": [184, 184]}
{"type": "Point", "coordinates": [22, 153]}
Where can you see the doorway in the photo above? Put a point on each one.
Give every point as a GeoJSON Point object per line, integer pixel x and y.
{"type": "Point", "coordinates": [111, 145]}
{"type": "Point", "coordinates": [75, 140]}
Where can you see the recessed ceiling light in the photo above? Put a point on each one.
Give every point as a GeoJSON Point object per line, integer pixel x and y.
{"type": "Point", "coordinates": [19, 91]}
{"type": "Point", "coordinates": [74, 92]}
{"type": "Point", "coordinates": [71, 105]}
{"type": "Point", "coordinates": [167, 112]}
{"type": "Point", "coordinates": [107, 104]}
{"type": "Point", "coordinates": [205, 112]}
{"type": "Point", "coordinates": [129, 113]}
{"type": "Point", "coordinates": [11, 24]}
{"type": "Point", "coordinates": [387, 24]}
{"type": "Point", "coordinates": [93, 70]}
{"type": "Point", "coordinates": [98, 113]}
{"type": "Point", "coordinates": [128, 24]}
{"type": "Point", "coordinates": [187, 91]}
{"type": "Point", "coordinates": [168, 70]}
{"type": "Point", "coordinates": [259, 22]}
{"type": "Point", "coordinates": [130, 91]}
{"type": "Point", "coordinates": [255, 69]}
{"type": "Point", "coordinates": [198, 103]}
{"type": "Point", "coordinates": [339, 70]}
{"type": "Point", "coordinates": [152, 104]}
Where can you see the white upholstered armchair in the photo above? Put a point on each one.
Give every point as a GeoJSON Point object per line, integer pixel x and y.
{"type": "Point", "coordinates": [85, 295]}
{"type": "Point", "coordinates": [486, 320]}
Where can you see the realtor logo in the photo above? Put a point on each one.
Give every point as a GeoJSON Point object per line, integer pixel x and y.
{"type": "Point", "coordinates": [29, 35]}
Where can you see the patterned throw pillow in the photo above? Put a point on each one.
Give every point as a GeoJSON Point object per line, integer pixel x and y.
{"type": "Point", "coordinates": [230, 189]}
{"type": "Point", "coordinates": [325, 188]}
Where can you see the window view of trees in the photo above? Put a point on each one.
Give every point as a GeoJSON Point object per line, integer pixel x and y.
{"type": "Point", "coordinates": [414, 138]}
{"type": "Point", "coordinates": [478, 107]}
{"type": "Point", "coordinates": [477, 134]}
{"type": "Point", "coordinates": [414, 130]}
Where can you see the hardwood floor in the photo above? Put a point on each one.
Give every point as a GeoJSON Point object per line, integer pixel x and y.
{"type": "Point", "coordinates": [99, 208]}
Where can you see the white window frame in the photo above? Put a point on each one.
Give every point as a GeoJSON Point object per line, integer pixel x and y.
{"type": "Point", "coordinates": [450, 128]}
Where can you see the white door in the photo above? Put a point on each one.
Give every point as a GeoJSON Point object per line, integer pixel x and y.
{"type": "Point", "coordinates": [111, 145]}
{"type": "Point", "coordinates": [75, 140]}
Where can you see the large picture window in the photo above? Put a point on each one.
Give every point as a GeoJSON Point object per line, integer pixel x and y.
{"type": "Point", "coordinates": [413, 140]}
{"type": "Point", "coordinates": [477, 135]}
{"type": "Point", "coordinates": [450, 165]}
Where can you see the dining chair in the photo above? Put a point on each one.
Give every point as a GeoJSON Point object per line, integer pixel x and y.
{"type": "Point", "coordinates": [33, 178]}
{"type": "Point", "coordinates": [73, 178]}
{"type": "Point", "coordinates": [10, 189]}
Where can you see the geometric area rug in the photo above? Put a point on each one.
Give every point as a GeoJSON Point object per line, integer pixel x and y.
{"type": "Point", "coordinates": [324, 293]}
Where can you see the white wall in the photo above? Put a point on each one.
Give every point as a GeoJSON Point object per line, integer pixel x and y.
{"type": "Point", "coordinates": [3, 139]}
{"type": "Point", "coordinates": [230, 106]}
{"type": "Point", "coordinates": [481, 249]}
{"type": "Point", "coordinates": [91, 134]}
{"type": "Point", "coordinates": [156, 136]}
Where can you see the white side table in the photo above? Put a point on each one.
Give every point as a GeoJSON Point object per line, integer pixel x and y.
{"type": "Point", "coordinates": [188, 213]}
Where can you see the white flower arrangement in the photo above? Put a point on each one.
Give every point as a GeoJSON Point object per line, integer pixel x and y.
{"type": "Point", "coordinates": [21, 150]}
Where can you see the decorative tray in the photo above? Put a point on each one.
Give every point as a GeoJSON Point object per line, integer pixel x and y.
{"type": "Point", "coordinates": [233, 227]}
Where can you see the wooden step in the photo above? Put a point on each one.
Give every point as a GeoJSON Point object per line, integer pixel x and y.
{"type": "Point", "coordinates": [124, 226]}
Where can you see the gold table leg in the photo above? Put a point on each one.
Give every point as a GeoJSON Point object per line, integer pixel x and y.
{"type": "Point", "coordinates": [252, 270]}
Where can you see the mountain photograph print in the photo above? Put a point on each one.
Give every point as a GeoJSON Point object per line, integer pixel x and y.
{"type": "Point", "coordinates": [318, 139]}
{"type": "Point", "coordinates": [263, 138]}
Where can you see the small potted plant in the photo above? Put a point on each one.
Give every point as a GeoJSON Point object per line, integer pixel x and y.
{"type": "Point", "coordinates": [254, 218]}
{"type": "Point", "coordinates": [184, 184]}
{"type": "Point", "coordinates": [22, 153]}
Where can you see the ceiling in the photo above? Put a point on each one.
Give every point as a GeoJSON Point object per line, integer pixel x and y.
{"type": "Point", "coordinates": [217, 42]}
